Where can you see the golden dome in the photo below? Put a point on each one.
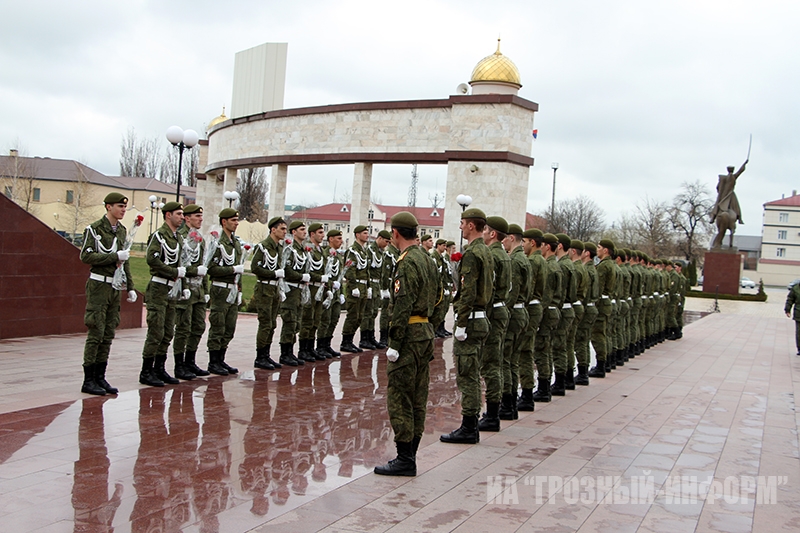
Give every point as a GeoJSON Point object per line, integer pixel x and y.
{"type": "Point", "coordinates": [496, 68]}
{"type": "Point", "coordinates": [214, 122]}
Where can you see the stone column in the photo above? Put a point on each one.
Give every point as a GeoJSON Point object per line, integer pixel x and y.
{"type": "Point", "coordinates": [362, 189]}
{"type": "Point", "coordinates": [277, 191]}
{"type": "Point", "coordinates": [209, 196]}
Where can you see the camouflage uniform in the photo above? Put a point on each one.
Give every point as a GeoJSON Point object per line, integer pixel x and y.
{"type": "Point", "coordinates": [551, 303]}
{"type": "Point", "coordinates": [390, 255]}
{"type": "Point", "coordinates": [373, 303]}
{"type": "Point", "coordinates": [312, 310]}
{"type": "Point", "coordinates": [190, 315]}
{"type": "Point", "coordinates": [579, 307]}
{"type": "Point", "coordinates": [296, 265]}
{"type": "Point", "coordinates": [498, 314]}
{"type": "Point", "coordinates": [606, 278]}
{"type": "Point", "coordinates": [569, 296]}
{"type": "Point", "coordinates": [357, 276]}
{"type": "Point", "coordinates": [535, 311]}
{"type": "Point", "coordinates": [519, 296]}
{"type": "Point", "coordinates": [223, 315]}
{"type": "Point", "coordinates": [266, 296]}
{"type": "Point", "coordinates": [329, 317]}
{"type": "Point", "coordinates": [584, 332]}
{"type": "Point", "coordinates": [445, 277]}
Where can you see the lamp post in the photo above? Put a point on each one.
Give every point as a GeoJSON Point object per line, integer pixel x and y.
{"type": "Point", "coordinates": [182, 139]}
{"type": "Point", "coordinates": [554, 166]}
{"type": "Point", "coordinates": [231, 196]}
{"type": "Point", "coordinates": [370, 216]}
{"type": "Point", "coordinates": [463, 200]}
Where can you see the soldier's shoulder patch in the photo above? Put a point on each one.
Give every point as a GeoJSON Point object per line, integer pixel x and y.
{"type": "Point", "coordinates": [402, 256]}
{"type": "Point", "coordinates": [396, 286]}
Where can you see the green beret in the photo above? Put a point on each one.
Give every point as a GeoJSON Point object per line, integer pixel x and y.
{"type": "Point", "coordinates": [678, 263]}
{"type": "Point", "coordinates": [607, 243]}
{"type": "Point", "coordinates": [296, 224]}
{"type": "Point", "coordinates": [628, 252]}
{"type": "Point", "coordinates": [498, 224]}
{"type": "Point", "coordinates": [274, 221]}
{"type": "Point", "coordinates": [590, 246]}
{"type": "Point", "coordinates": [404, 219]}
{"type": "Point", "coordinates": [564, 239]}
{"type": "Point", "coordinates": [385, 234]}
{"type": "Point", "coordinates": [425, 238]}
{"type": "Point", "coordinates": [360, 228]}
{"type": "Point", "coordinates": [191, 209]}
{"type": "Point", "coordinates": [115, 198]}
{"type": "Point", "coordinates": [171, 206]}
{"type": "Point", "coordinates": [450, 243]}
{"type": "Point", "coordinates": [549, 238]}
{"type": "Point", "coordinates": [576, 245]}
{"type": "Point", "coordinates": [474, 212]}
{"type": "Point", "coordinates": [334, 233]}
{"type": "Point", "coordinates": [314, 227]}
{"type": "Point", "coordinates": [533, 233]}
{"type": "Point", "coordinates": [514, 229]}
{"type": "Point", "coordinates": [228, 212]}
{"type": "Point", "coordinates": [439, 242]}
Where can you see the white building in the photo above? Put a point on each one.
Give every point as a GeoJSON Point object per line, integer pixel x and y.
{"type": "Point", "coordinates": [780, 241]}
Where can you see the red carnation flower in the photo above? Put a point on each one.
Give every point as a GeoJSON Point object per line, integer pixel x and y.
{"type": "Point", "coordinates": [456, 257]}
{"type": "Point", "coordinates": [139, 220]}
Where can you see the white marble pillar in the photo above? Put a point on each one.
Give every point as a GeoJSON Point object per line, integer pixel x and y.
{"type": "Point", "coordinates": [277, 191]}
{"type": "Point", "coordinates": [362, 189]}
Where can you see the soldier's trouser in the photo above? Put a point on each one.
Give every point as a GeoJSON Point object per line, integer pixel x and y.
{"type": "Point", "coordinates": [672, 312]}
{"type": "Point", "coordinates": [407, 389]}
{"type": "Point", "coordinates": [611, 328]}
{"type": "Point", "coordinates": [543, 348]}
{"type": "Point", "coordinates": [642, 317]}
{"type": "Point", "coordinates": [160, 320]}
{"type": "Point", "coordinates": [311, 314]}
{"type": "Point", "coordinates": [468, 362]}
{"type": "Point", "coordinates": [190, 324]}
{"type": "Point", "coordinates": [636, 311]}
{"type": "Point", "coordinates": [622, 325]}
{"type": "Point", "coordinates": [267, 302]}
{"type": "Point", "coordinates": [371, 308]}
{"type": "Point", "coordinates": [329, 318]}
{"type": "Point", "coordinates": [355, 308]}
{"type": "Point", "coordinates": [583, 334]}
{"type": "Point", "coordinates": [797, 334]}
{"type": "Point", "coordinates": [527, 372]}
{"type": "Point", "coordinates": [290, 315]}
{"type": "Point", "coordinates": [492, 353]}
{"type": "Point", "coordinates": [649, 320]}
{"type": "Point", "coordinates": [560, 340]}
{"type": "Point", "coordinates": [572, 333]}
{"type": "Point", "coordinates": [679, 313]}
{"type": "Point", "coordinates": [517, 327]}
{"type": "Point", "coordinates": [600, 329]}
{"type": "Point", "coordinates": [221, 319]}
{"type": "Point", "coordinates": [439, 312]}
{"type": "Point", "coordinates": [102, 319]}
{"type": "Point", "coordinates": [385, 313]}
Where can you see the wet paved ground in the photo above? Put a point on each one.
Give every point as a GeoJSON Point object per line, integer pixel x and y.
{"type": "Point", "coordinates": [293, 450]}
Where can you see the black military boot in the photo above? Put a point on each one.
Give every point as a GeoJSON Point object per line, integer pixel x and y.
{"type": "Point", "coordinates": [542, 393]}
{"type": "Point", "coordinates": [620, 358]}
{"type": "Point", "coordinates": [403, 465]}
{"type": "Point", "coordinates": [323, 349]}
{"type": "Point", "coordinates": [329, 349]}
{"type": "Point", "coordinates": [526, 402]}
{"type": "Point", "coordinates": [506, 407]}
{"type": "Point", "coordinates": [611, 361]}
{"type": "Point", "coordinates": [287, 357]}
{"type": "Point", "coordinates": [181, 371]}
{"type": "Point", "coordinates": [569, 379]}
{"type": "Point", "coordinates": [147, 376]}
{"type": "Point", "coordinates": [90, 386]}
{"type": "Point", "coordinates": [598, 371]}
{"type": "Point", "coordinates": [679, 333]}
{"type": "Point", "coordinates": [262, 359]}
{"type": "Point", "coordinates": [384, 342]}
{"type": "Point", "coordinates": [583, 375]}
{"type": "Point", "coordinates": [367, 341]}
{"type": "Point", "coordinates": [319, 355]}
{"type": "Point", "coordinates": [304, 354]}
{"type": "Point", "coordinates": [348, 346]}
{"type": "Point", "coordinates": [188, 360]}
{"type": "Point", "coordinates": [160, 371]}
{"type": "Point", "coordinates": [557, 389]}
{"type": "Point", "coordinates": [466, 434]}
{"type": "Point", "coordinates": [226, 366]}
{"type": "Point", "coordinates": [445, 332]}
{"type": "Point", "coordinates": [626, 354]}
{"type": "Point", "coordinates": [415, 447]}
{"type": "Point", "coordinates": [214, 365]}
{"type": "Point", "coordinates": [100, 378]}
{"type": "Point", "coordinates": [439, 332]}
{"type": "Point", "coordinates": [490, 421]}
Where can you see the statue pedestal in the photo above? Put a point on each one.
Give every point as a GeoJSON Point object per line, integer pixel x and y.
{"type": "Point", "coordinates": [721, 271]}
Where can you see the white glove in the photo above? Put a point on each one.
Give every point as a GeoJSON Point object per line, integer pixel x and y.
{"type": "Point", "coordinates": [392, 354]}
{"type": "Point", "coordinates": [447, 293]}
{"type": "Point", "coordinates": [384, 294]}
{"type": "Point", "coordinates": [341, 299]}
{"type": "Point", "coordinates": [325, 278]}
{"type": "Point", "coordinates": [461, 334]}
{"type": "Point", "coordinates": [207, 298]}
{"type": "Point", "coordinates": [283, 297]}
{"type": "Point", "coordinates": [239, 299]}
{"type": "Point", "coordinates": [306, 278]}
{"type": "Point", "coordinates": [123, 255]}
{"type": "Point", "coordinates": [202, 271]}
{"type": "Point", "coordinates": [181, 272]}
{"type": "Point", "coordinates": [186, 294]}
{"type": "Point", "coordinates": [356, 293]}
{"type": "Point", "coordinates": [238, 269]}
{"type": "Point", "coordinates": [132, 296]}
{"type": "Point", "coordinates": [336, 285]}
{"type": "Point", "coordinates": [279, 273]}
{"type": "Point", "coordinates": [369, 293]}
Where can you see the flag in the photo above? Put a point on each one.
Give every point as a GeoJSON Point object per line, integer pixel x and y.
{"type": "Point", "coordinates": [535, 133]}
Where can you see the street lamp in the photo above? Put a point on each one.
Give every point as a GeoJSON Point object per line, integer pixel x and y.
{"type": "Point", "coordinates": [181, 139]}
{"type": "Point", "coordinates": [153, 199]}
{"type": "Point", "coordinates": [554, 166]}
{"type": "Point", "coordinates": [231, 196]}
{"type": "Point", "coordinates": [463, 200]}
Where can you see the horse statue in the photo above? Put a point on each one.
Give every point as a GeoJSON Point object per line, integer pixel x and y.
{"type": "Point", "coordinates": [726, 211]}
{"type": "Point", "coordinates": [726, 221]}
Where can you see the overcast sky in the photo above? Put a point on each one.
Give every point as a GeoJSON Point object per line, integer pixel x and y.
{"type": "Point", "coordinates": [634, 97]}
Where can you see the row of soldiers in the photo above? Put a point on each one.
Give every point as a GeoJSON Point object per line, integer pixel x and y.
{"type": "Point", "coordinates": [530, 303]}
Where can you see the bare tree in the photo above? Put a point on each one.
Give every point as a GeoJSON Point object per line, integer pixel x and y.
{"type": "Point", "coordinates": [345, 197]}
{"type": "Point", "coordinates": [688, 216]}
{"type": "Point", "coordinates": [83, 201]}
{"type": "Point", "coordinates": [625, 232]}
{"type": "Point", "coordinates": [653, 228]}
{"type": "Point", "coordinates": [169, 166]}
{"type": "Point", "coordinates": [252, 187]}
{"type": "Point", "coordinates": [580, 218]}
{"type": "Point", "coordinates": [19, 175]}
{"type": "Point", "coordinates": [141, 158]}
